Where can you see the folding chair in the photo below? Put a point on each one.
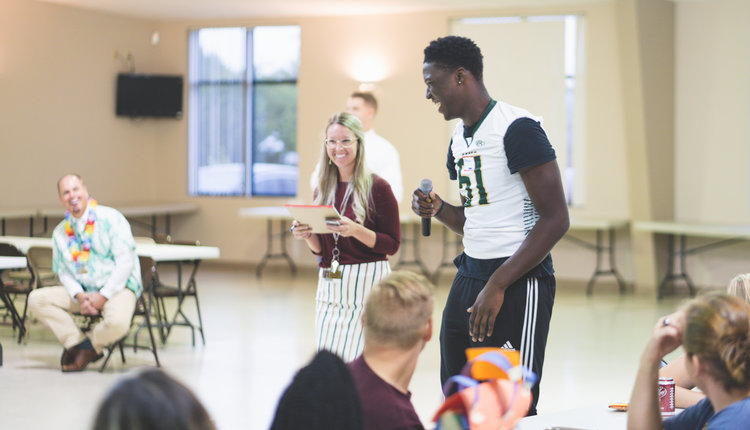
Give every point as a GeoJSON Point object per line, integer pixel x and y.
{"type": "Point", "coordinates": [40, 266]}
{"type": "Point", "coordinates": [143, 310]}
{"type": "Point", "coordinates": [162, 292]}
{"type": "Point", "coordinates": [9, 290]}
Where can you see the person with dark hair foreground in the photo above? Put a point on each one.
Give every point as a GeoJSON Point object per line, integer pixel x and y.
{"type": "Point", "coordinates": [512, 213]}
{"type": "Point", "coordinates": [398, 324]}
{"type": "Point", "coordinates": [151, 400]}
{"type": "Point", "coordinates": [322, 396]}
{"type": "Point", "coordinates": [714, 330]}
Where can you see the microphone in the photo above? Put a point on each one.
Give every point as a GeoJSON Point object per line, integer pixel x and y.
{"type": "Point", "coordinates": [425, 186]}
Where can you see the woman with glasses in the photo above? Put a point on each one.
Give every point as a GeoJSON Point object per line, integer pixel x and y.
{"type": "Point", "coordinates": [354, 255]}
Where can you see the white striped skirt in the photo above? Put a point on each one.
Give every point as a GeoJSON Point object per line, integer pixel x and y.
{"type": "Point", "coordinates": [339, 307]}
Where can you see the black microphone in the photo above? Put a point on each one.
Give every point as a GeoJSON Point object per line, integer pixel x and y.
{"type": "Point", "coordinates": [425, 186]}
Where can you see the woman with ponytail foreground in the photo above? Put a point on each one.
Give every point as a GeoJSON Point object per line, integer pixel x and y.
{"type": "Point", "coordinates": [714, 330]}
{"type": "Point", "coordinates": [684, 394]}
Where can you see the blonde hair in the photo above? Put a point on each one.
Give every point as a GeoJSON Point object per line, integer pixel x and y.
{"type": "Point", "coordinates": [360, 184]}
{"type": "Point", "coordinates": [739, 286]}
{"type": "Point", "coordinates": [717, 330]}
{"type": "Point", "coordinates": [397, 310]}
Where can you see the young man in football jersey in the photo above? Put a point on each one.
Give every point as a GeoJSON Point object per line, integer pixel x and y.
{"type": "Point", "coordinates": [513, 212]}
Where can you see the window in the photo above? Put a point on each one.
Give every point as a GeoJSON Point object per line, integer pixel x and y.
{"type": "Point", "coordinates": [242, 119]}
{"type": "Point", "coordinates": [536, 63]}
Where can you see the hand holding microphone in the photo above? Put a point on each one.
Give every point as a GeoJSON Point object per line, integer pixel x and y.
{"type": "Point", "coordinates": [423, 204]}
{"type": "Point", "coordinates": [425, 186]}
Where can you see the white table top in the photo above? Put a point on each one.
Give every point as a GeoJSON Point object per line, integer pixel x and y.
{"type": "Point", "coordinates": [275, 212]}
{"type": "Point", "coordinates": [157, 251]}
{"type": "Point", "coordinates": [158, 209]}
{"type": "Point", "coordinates": [168, 252]}
{"type": "Point", "coordinates": [17, 213]}
{"type": "Point", "coordinates": [588, 418]}
{"type": "Point", "coordinates": [578, 223]}
{"type": "Point", "coordinates": [23, 243]}
{"type": "Point", "coordinates": [130, 210]}
{"type": "Point", "coordinates": [725, 231]}
{"type": "Point", "coordinates": [12, 262]}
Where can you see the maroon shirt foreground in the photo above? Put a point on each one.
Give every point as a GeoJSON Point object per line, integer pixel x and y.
{"type": "Point", "coordinates": [384, 407]}
{"type": "Point", "coordinates": [382, 219]}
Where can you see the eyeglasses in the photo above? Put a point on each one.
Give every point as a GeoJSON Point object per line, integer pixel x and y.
{"type": "Point", "coordinates": [346, 143]}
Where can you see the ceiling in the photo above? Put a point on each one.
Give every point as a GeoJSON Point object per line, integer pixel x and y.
{"type": "Point", "coordinates": [208, 9]}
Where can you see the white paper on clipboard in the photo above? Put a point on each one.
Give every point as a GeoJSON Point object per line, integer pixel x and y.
{"type": "Point", "coordinates": [313, 215]}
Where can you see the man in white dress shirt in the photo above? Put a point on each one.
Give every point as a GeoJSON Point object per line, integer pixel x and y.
{"type": "Point", "coordinates": [380, 155]}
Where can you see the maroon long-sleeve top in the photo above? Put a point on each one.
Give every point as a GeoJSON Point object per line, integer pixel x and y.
{"type": "Point", "coordinates": [382, 218]}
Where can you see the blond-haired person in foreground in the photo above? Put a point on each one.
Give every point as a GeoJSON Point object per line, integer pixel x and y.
{"type": "Point", "coordinates": [397, 323]}
{"type": "Point", "coordinates": [684, 395]}
{"type": "Point", "coordinates": [714, 330]}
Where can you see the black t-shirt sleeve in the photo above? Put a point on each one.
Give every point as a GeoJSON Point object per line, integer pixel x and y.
{"type": "Point", "coordinates": [450, 163]}
{"type": "Point", "coordinates": [526, 145]}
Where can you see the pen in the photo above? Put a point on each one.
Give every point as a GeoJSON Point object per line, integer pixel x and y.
{"type": "Point", "coordinates": [292, 229]}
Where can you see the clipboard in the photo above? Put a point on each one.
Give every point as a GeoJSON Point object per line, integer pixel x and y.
{"type": "Point", "coordinates": [314, 216]}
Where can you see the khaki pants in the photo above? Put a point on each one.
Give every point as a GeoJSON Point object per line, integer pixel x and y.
{"type": "Point", "coordinates": [53, 307]}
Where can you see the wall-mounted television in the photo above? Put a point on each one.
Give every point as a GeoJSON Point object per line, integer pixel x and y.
{"type": "Point", "coordinates": [142, 95]}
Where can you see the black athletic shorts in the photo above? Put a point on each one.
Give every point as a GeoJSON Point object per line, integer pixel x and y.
{"type": "Point", "coordinates": [522, 323]}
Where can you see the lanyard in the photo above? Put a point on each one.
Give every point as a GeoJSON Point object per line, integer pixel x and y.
{"type": "Point", "coordinates": [335, 253]}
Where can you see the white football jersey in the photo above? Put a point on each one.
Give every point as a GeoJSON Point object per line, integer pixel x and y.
{"type": "Point", "coordinates": [499, 212]}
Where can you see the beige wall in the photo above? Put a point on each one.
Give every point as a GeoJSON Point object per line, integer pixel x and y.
{"type": "Point", "coordinates": [713, 111]}
{"type": "Point", "coordinates": [712, 127]}
{"type": "Point", "coordinates": [57, 75]}
{"type": "Point", "coordinates": [57, 91]}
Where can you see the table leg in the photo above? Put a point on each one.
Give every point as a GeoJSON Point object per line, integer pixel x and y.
{"type": "Point", "coordinates": [190, 289]}
{"type": "Point", "coordinates": [15, 318]}
{"type": "Point", "coordinates": [597, 270]}
{"type": "Point", "coordinates": [282, 238]}
{"type": "Point", "coordinates": [600, 248]}
{"type": "Point", "coordinates": [414, 242]}
{"type": "Point", "coordinates": [269, 247]}
{"type": "Point", "coordinates": [283, 232]}
{"type": "Point", "coordinates": [620, 281]}
{"type": "Point", "coordinates": [444, 252]}
{"type": "Point", "coordinates": [670, 267]}
{"type": "Point", "coordinates": [671, 275]}
{"type": "Point", "coordinates": [683, 265]}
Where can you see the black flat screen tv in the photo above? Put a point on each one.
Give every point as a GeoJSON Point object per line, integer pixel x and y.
{"type": "Point", "coordinates": [156, 96]}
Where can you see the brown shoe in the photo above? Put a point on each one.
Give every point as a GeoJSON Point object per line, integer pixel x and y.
{"type": "Point", "coordinates": [68, 356]}
{"type": "Point", "coordinates": [81, 359]}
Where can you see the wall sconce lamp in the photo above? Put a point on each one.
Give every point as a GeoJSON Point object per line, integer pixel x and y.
{"type": "Point", "coordinates": [368, 69]}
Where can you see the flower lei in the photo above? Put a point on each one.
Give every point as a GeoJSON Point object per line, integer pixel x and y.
{"type": "Point", "coordinates": [80, 249]}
